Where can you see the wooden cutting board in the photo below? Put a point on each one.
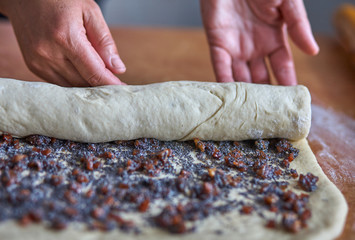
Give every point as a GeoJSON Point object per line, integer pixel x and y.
{"type": "Point", "coordinates": [156, 55]}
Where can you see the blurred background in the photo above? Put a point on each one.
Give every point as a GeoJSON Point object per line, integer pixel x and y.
{"type": "Point", "coordinates": [186, 13]}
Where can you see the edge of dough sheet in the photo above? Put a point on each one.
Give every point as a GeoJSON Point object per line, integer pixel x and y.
{"type": "Point", "coordinates": [328, 206]}
{"type": "Point", "coordinates": [180, 110]}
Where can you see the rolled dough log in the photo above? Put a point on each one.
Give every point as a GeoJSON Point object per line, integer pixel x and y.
{"type": "Point", "coordinates": [167, 111]}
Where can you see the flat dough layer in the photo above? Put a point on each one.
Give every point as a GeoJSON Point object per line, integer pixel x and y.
{"type": "Point", "coordinates": [327, 204]}
{"type": "Point", "coordinates": [166, 111]}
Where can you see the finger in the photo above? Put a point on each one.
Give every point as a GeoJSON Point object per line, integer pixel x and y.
{"type": "Point", "coordinates": [67, 71]}
{"type": "Point", "coordinates": [259, 72]}
{"type": "Point", "coordinates": [298, 26]}
{"type": "Point", "coordinates": [241, 72]}
{"type": "Point", "coordinates": [47, 73]}
{"type": "Point", "coordinates": [53, 77]}
{"type": "Point", "coordinates": [101, 39]}
{"type": "Point", "coordinates": [222, 64]}
{"type": "Point", "coordinates": [90, 65]}
{"type": "Point", "coordinates": [282, 66]}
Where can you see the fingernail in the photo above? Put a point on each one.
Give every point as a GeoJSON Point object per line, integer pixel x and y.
{"type": "Point", "coordinates": [117, 63]}
{"type": "Point", "coordinates": [315, 45]}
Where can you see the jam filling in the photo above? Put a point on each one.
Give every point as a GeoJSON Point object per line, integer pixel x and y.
{"type": "Point", "coordinates": [129, 185]}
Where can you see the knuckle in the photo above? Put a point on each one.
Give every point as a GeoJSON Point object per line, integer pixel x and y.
{"type": "Point", "coordinates": [93, 6]}
{"type": "Point", "coordinates": [37, 67]}
{"type": "Point", "coordinates": [41, 50]}
{"type": "Point", "coordinates": [105, 41]}
{"type": "Point", "coordinates": [96, 8]}
{"type": "Point", "coordinates": [96, 79]}
{"type": "Point", "coordinates": [93, 11]}
{"type": "Point", "coordinates": [63, 35]}
{"type": "Point", "coordinates": [285, 68]}
{"type": "Point", "coordinates": [59, 37]}
{"type": "Point", "coordinates": [33, 65]}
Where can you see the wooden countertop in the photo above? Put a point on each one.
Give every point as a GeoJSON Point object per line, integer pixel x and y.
{"type": "Point", "coordinates": [156, 55]}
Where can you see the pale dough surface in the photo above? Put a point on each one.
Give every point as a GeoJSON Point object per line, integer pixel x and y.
{"type": "Point", "coordinates": [166, 111]}
{"type": "Point", "coordinates": [328, 207]}
{"type": "Point", "coordinates": [174, 111]}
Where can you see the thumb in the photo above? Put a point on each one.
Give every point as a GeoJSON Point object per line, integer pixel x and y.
{"type": "Point", "coordinates": [101, 39]}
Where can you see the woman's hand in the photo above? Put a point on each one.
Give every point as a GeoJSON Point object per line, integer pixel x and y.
{"type": "Point", "coordinates": [65, 42]}
{"type": "Point", "coordinates": [242, 33]}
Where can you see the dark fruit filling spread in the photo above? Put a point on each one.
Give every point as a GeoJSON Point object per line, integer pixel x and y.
{"type": "Point", "coordinates": [145, 182]}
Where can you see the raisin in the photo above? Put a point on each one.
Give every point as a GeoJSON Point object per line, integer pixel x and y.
{"type": "Point", "coordinates": [247, 209]}
{"type": "Point", "coordinates": [308, 182]}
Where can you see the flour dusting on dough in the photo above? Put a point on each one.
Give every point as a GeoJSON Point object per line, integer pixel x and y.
{"type": "Point", "coordinates": [258, 133]}
{"type": "Point", "coordinates": [330, 128]}
{"type": "Point", "coordinates": [33, 84]}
